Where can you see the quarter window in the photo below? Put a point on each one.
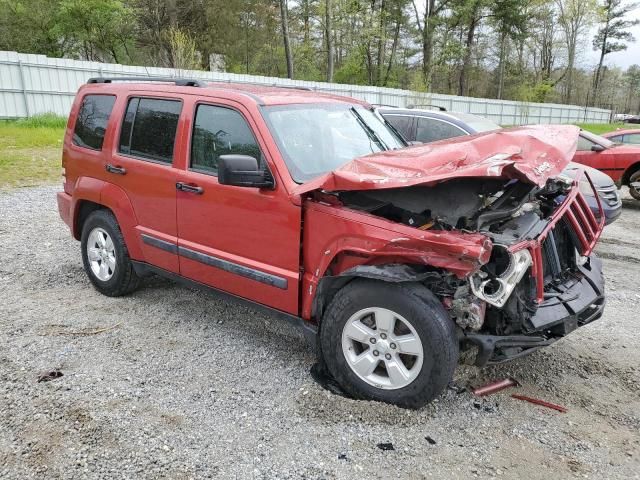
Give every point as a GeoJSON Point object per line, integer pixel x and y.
{"type": "Point", "coordinates": [92, 121]}
{"type": "Point", "coordinates": [431, 130]}
{"type": "Point", "coordinates": [584, 145]}
{"type": "Point", "coordinates": [220, 131]}
{"type": "Point", "coordinates": [149, 128]}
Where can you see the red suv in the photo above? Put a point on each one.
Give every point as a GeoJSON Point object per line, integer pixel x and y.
{"type": "Point", "coordinates": [392, 258]}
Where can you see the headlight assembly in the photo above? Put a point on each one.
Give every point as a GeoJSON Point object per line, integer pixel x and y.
{"type": "Point", "coordinates": [496, 290]}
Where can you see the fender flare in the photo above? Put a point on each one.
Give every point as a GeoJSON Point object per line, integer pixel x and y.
{"type": "Point", "coordinates": [115, 199]}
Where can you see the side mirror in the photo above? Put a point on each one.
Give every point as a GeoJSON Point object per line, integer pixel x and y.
{"type": "Point", "coordinates": [242, 171]}
{"type": "Point", "coordinates": [596, 147]}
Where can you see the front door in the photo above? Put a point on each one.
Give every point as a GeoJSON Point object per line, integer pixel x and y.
{"type": "Point", "coordinates": [142, 165]}
{"type": "Point", "coordinates": [245, 241]}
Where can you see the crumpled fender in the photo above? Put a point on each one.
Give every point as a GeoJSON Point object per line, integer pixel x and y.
{"type": "Point", "coordinates": [342, 239]}
{"type": "Point", "coordinates": [532, 154]}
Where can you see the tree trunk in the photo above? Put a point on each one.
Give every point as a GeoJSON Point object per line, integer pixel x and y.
{"type": "Point", "coordinates": [427, 42]}
{"type": "Point", "coordinates": [394, 47]}
{"type": "Point", "coordinates": [285, 36]}
{"type": "Point", "coordinates": [471, 33]}
{"type": "Point", "coordinates": [501, 68]}
{"type": "Point", "coordinates": [328, 39]}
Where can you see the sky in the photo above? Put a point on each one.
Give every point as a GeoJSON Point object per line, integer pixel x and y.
{"type": "Point", "coordinates": [622, 59]}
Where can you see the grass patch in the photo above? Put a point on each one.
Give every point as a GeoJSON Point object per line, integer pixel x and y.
{"type": "Point", "coordinates": [600, 128]}
{"type": "Point", "coordinates": [31, 150]}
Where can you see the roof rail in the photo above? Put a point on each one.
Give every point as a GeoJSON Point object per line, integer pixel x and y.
{"type": "Point", "coordinates": [442, 109]}
{"type": "Point", "coordinates": [275, 85]}
{"type": "Point", "coordinates": [180, 82]}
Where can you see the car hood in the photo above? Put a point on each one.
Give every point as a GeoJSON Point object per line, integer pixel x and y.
{"type": "Point", "coordinates": [532, 154]}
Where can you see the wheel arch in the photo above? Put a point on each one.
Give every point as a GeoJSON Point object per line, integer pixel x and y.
{"type": "Point", "coordinates": [90, 195]}
{"type": "Point", "coordinates": [626, 176]}
{"type": "Point", "coordinates": [329, 285]}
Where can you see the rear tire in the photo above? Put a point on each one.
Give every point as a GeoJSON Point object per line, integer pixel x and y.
{"type": "Point", "coordinates": [634, 192]}
{"type": "Point", "coordinates": [406, 348]}
{"type": "Point", "coordinates": [105, 255]}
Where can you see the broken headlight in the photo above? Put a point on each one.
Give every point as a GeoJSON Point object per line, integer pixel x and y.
{"type": "Point", "coordinates": [496, 289]}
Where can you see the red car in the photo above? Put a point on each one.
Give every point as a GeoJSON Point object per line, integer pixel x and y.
{"type": "Point", "coordinates": [620, 162]}
{"type": "Point", "coordinates": [624, 136]}
{"type": "Point", "coordinates": [391, 258]}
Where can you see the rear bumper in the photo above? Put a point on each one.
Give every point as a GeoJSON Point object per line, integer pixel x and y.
{"type": "Point", "coordinates": [64, 208]}
{"type": "Point", "coordinates": [575, 303]}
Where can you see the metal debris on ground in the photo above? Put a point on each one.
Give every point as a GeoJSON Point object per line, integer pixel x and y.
{"type": "Point", "coordinates": [543, 403]}
{"type": "Point", "coordinates": [494, 387]}
{"type": "Point", "coordinates": [48, 376]}
{"type": "Point", "coordinates": [386, 446]}
{"type": "Point", "coordinates": [430, 440]}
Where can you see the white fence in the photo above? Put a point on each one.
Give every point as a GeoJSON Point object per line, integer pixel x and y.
{"type": "Point", "coordinates": [33, 84]}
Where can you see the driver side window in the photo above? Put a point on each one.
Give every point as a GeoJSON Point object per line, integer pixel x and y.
{"type": "Point", "coordinates": [220, 131]}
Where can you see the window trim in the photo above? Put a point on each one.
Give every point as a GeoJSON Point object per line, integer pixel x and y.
{"type": "Point", "coordinates": [77, 116]}
{"type": "Point", "coordinates": [203, 171]}
{"type": "Point", "coordinates": [419, 117]}
{"type": "Point", "coordinates": [121, 123]}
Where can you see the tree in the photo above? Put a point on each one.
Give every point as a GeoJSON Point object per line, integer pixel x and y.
{"type": "Point", "coordinates": [98, 30]}
{"type": "Point", "coordinates": [612, 34]}
{"type": "Point", "coordinates": [574, 16]}
{"type": "Point", "coordinates": [285, 37]}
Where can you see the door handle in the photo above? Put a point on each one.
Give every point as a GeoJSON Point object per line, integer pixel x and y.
{"type": "Point", "coordinates": [113, 169]}
{"type": "Point", "coordinates": [185, 187]}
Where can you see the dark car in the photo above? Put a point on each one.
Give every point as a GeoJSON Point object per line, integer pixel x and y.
{"type": "Point", "coordinates": [425, 126]}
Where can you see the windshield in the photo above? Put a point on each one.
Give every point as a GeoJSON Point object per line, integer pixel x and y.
{"type": "Point", "coordinates": [318, 138]}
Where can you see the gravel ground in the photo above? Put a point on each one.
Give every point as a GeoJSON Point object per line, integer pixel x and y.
{"type": "Point", "coordinates": [173, 383]}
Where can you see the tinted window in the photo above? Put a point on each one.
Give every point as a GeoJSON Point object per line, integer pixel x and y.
{"type": "Point", "coordinates": [402, 123]}
{"type": "Point", "coordinates": [220, 131]}
{"type": "Point", "coordinates": [149, 128]}
{"type": "Point", "coordinates": [632, 138]}
{"type": "Point", "coordinates": [616, 139]}
{"type": "Point", "coordinates": [92, 120]}
{"type": "Point", "coordinates": [430, 130]}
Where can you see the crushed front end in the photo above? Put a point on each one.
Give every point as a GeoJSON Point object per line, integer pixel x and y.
{"type": "Point", "coordinates": [542, 281]}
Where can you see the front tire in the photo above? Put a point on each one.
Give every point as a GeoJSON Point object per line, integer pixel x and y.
{"type": "Point", "coordinates": [390, 342]}
{"type": "Point", "coordinates": [634, 192]}
{"type": "Point", "coordinates": [105, 255]}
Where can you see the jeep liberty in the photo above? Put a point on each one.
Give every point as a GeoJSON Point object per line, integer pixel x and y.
{"type": "Point", "coordinates": [395, 258]}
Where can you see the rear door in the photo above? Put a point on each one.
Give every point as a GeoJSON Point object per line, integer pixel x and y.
{"type": "Point", "coordinates": [245, 241]}
{"type": "Point", "coordinates": [142, 165]}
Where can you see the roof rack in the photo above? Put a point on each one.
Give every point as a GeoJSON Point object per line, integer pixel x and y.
{"type": "Point", "coordinates": [442, 109]}
{"type": "Point", "coordinates": [180, 82]}
{"type": "Point", "coordinates": [275, 85]}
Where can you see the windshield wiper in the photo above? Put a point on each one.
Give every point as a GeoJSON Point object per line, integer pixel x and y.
{"type": "Point", "coordinates": [370, 131]}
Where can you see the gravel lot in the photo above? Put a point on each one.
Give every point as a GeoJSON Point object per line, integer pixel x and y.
{"type": "Point", "coordinates": [173, 383]}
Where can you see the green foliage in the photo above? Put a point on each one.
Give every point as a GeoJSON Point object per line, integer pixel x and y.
{"type": "Point", "coordinates": [600, 128]}
{"type": "Point", "coordinates": [30, 150]}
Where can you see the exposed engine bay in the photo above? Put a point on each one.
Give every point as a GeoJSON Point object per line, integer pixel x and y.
{"type": "Point", "coordinates": [500, 299]}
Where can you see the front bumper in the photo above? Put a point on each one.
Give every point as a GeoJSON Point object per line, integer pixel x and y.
{"type": "Point", "coordinates": [575, 303]}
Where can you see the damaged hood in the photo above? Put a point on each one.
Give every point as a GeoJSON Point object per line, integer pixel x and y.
{"type": "Point", "coordinates": [532, 154]}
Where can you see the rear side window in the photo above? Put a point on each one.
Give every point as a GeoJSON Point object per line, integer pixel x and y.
{"type": "Point", "coordinates": [149, 128]}
{"type": "Point", "coordinates": [220, 131]}
{"type": "Point", "coordinates": [631, 138]}
{"type": "Point", "coordinates": [431, 130]}
{"type": "Point", "coordinates": [92, 120]}
{"type": "Point", "coordinates": [402, 123]}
